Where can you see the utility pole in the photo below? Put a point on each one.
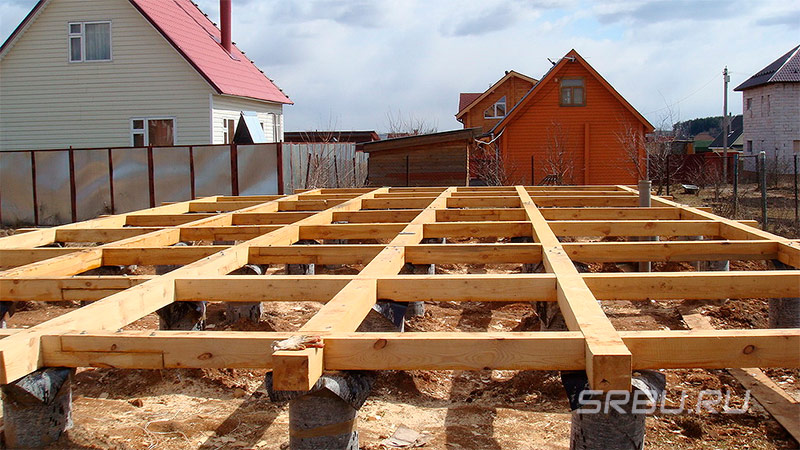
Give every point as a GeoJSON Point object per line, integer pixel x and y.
{"type": "Point", "coordinates": [725, 126]}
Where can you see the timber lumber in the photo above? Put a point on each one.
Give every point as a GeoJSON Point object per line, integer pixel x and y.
{"type": "Point", "coordinates": [780, 405]}
{"type": "Point", "coordinates": [208, 239]}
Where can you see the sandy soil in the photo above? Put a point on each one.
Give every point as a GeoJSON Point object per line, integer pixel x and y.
{"type": "Point", "coordinates": [211, 409]}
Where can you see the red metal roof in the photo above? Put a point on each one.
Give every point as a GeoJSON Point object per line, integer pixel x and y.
{"type": "Point", "coordinates": [193, 35]}
{"type": "Point", "coordinates": [466, 99]}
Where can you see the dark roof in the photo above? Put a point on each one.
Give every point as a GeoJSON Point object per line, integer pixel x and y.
{"type": "Point", "coordinates": [422, 139]}
{"type": "Point", "coordinates": [357, 137]}
{"type": "Point", "coordinates": [785, 69]}
{"type": "Point", "coordinates": [466, 98]}
{"type": "Point", "coordinates": [735, 131]}
{"type": "Point", "coordinates": [197, 40]}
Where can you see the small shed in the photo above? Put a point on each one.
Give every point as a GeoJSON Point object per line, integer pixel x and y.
{"type": "Point", "coordinates": [436, 159]}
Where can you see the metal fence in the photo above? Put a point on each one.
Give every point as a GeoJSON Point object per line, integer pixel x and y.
{"type": "Point", "coordinates": [51, 187]}
{"type": "Point", "coordinates": [756, 186]}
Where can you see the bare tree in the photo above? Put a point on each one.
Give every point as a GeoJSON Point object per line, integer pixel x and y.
{"type": "Point", "coordinates": [325, 161]}
{"type": "Point", "coordinates": [559, 160]}
{"type": "Point", "coordinates": [654, 157]}
{"type": "Point", "coordinates": [488, 164]}
{"type": "Point", "coordinates": [399, 125]}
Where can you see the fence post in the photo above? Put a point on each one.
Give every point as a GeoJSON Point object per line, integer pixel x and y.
{"type": "Point", "coordinates": [408, 176]}
{"type": "Point", "coordinates": [762, 176]}
{"type": "Point", "coordinates": [151, 183]}
{"type": "Point", "coordinates": [668, 177]}
{"type": "Point", "coordinates": [796, 202]}
{"type": "Point", "coordinates": [234, 170]}
{"type": "Point", "coordinates": [735, 185]}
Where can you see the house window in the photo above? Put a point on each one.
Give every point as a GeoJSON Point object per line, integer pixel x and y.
{"type": "Point", "coordinates": [572, 92]}
{"type": "Point", "coordinates": [89, 41]}
{"type": "Point", "coordinates": [228, 130]}
{"type": "Point", "coordinates": [796, 146]}
{"type": "Point", "coordinates": [750, 147]}
{"type": "Point", "coordinates": [748, 104]}
{"type": "Point", "coordinates": [158, 132]}
{"type": "Point", "coordinates": [275, 126]}
{"type": "Point", "coordinates": [496, 111]}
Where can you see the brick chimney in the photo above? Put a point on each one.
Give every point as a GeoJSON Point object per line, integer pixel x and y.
{"type": "Point", "coordinates": [225, 24]}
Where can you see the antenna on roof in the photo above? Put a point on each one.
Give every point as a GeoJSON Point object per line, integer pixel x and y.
{"type": "Point", "coordinates": [551, 61]}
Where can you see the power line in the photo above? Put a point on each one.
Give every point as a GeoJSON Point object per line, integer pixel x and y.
{"type": "Point", "coordinates": [711, 80]}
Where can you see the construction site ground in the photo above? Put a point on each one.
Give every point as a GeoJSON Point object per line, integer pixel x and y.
{"type": "Point", "coordinates": [211, 409]}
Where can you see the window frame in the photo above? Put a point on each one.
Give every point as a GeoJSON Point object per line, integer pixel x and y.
{"type": "Point", "coordinates": [228, 130]}
{"type": "Point", "coordinates": [561, 89]}
{"type": "Point", "coordinates": [493, 108]}
{"type": "Point", "coordinates": [82, 37]}
{"type": "Point", "coordinates": [146, 133]}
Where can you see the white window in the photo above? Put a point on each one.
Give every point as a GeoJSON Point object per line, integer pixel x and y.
{"type": "Point", "coordinates": [496, 111]}
{"type": "Point", "coordinates": [155, 131]}
{"type": "Point", "coordinates": [89, 41]}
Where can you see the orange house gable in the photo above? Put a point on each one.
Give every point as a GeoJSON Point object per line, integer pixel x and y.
{"type": "Point", "coordinates": [571, 124]}
{"type": "Point", "coordinates": [485, 109]}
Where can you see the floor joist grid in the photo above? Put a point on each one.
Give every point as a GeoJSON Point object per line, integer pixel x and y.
{"type": "Point", "coordinates": [476, 223]}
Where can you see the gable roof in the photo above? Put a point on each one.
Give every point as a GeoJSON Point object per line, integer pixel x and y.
{"type": "Point", "coordinates": [785, 69]}
{"type": "Point", "coordinates": [736, 129]}
{"type": "Point", "coordinates": [466, 98]}
{"type": "Point", "coordinates": [197, 39]}
{"type": "Point", "coordinates": [571, 56]}
{"type": "Point", "coordinates": [476, 98]}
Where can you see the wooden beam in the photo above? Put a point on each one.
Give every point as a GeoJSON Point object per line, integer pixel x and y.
{"type": "Point", "coordinates": [782, 406]}
{"type": "Point", "coordinates": [671, 251]}
{"type": "Point", "coordinates": [631, 213]}
{"type": "Point", "coordinates": [20, 354]}
{"type": "Point", "coordinates": [346, 310]}
{"type": "Point", "coordinates": [314, 254]}
{"type": "Point", "coordinates": [480, 214]}
{"type": "Point", "coordinates": [421, 351]}
{"type": "Point", "coordinates": [669, 228]}
{"type": "Point", "coordinates": [474, 254]}
{"type": "Point", "coordinates": [608, 360]}
{"type": "Point", "coordinates": [703, 285]}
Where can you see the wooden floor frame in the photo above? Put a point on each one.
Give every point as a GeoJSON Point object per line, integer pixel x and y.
{"type": "Point", "coordinates": [265, 230]}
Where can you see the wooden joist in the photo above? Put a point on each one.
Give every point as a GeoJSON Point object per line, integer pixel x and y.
{"type": "Point", "coordinates": [266, 229]}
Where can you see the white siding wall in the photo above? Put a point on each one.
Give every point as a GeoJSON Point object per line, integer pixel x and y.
{"type": "Point", "coordinates": [773, 121]}
{"type": "Point", "coordinates": [226, 107]}
{"type": "Point", "coordinates": [48, 102]}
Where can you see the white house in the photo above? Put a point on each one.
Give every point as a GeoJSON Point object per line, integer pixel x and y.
{"type": "Point", "coordinates": [771, 110]}
{"type": "Point", "coordinates": [100, 73]}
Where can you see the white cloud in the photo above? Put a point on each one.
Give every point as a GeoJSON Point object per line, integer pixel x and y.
{"type": "Point", "coordinates": [350, 62]}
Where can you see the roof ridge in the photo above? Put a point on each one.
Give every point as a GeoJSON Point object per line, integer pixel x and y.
{"type": "Point", "coordinates": [789, 59]}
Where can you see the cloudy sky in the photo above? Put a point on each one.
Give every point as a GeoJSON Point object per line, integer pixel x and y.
{"type": "Point", "coordinates": [349, 63]}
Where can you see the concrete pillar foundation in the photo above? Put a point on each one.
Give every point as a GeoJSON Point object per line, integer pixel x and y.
{"type": "Point", "coordinates": [602, 420]}
{"type": "Point", "coordinates": [6, 308]}
{"type": "Point", "coordinates": [325, 417]}
{"type": "Point", "coordinates": [37, 409]}
{"type": "Point", "coordinates": [235, 311]}
{"type": "Point", "coordinates": [302, 269]}
{"type": "Point", "coordinates": [784, 312]}
{"type": "Point", "coordinates": [188, 316]}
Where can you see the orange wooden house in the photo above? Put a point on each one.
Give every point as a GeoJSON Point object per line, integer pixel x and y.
{"type": "Point", "coordinates": [571, 126]}
{"type": "Point", "coordinates": [486, 109]}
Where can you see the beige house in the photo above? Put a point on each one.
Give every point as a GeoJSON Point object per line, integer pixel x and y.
{"type": "Point", "coordinates": [100, 73]}
{"type": "Point", "coordinates": [771, 111]}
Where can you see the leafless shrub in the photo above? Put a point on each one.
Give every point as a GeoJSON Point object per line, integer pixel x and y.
{"type": "Point", "coordinates": [488, 165]}
{"type": "Point", "coordinates": [559, 160]}
{"type": "Point", "coordinates": [399, 125]}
